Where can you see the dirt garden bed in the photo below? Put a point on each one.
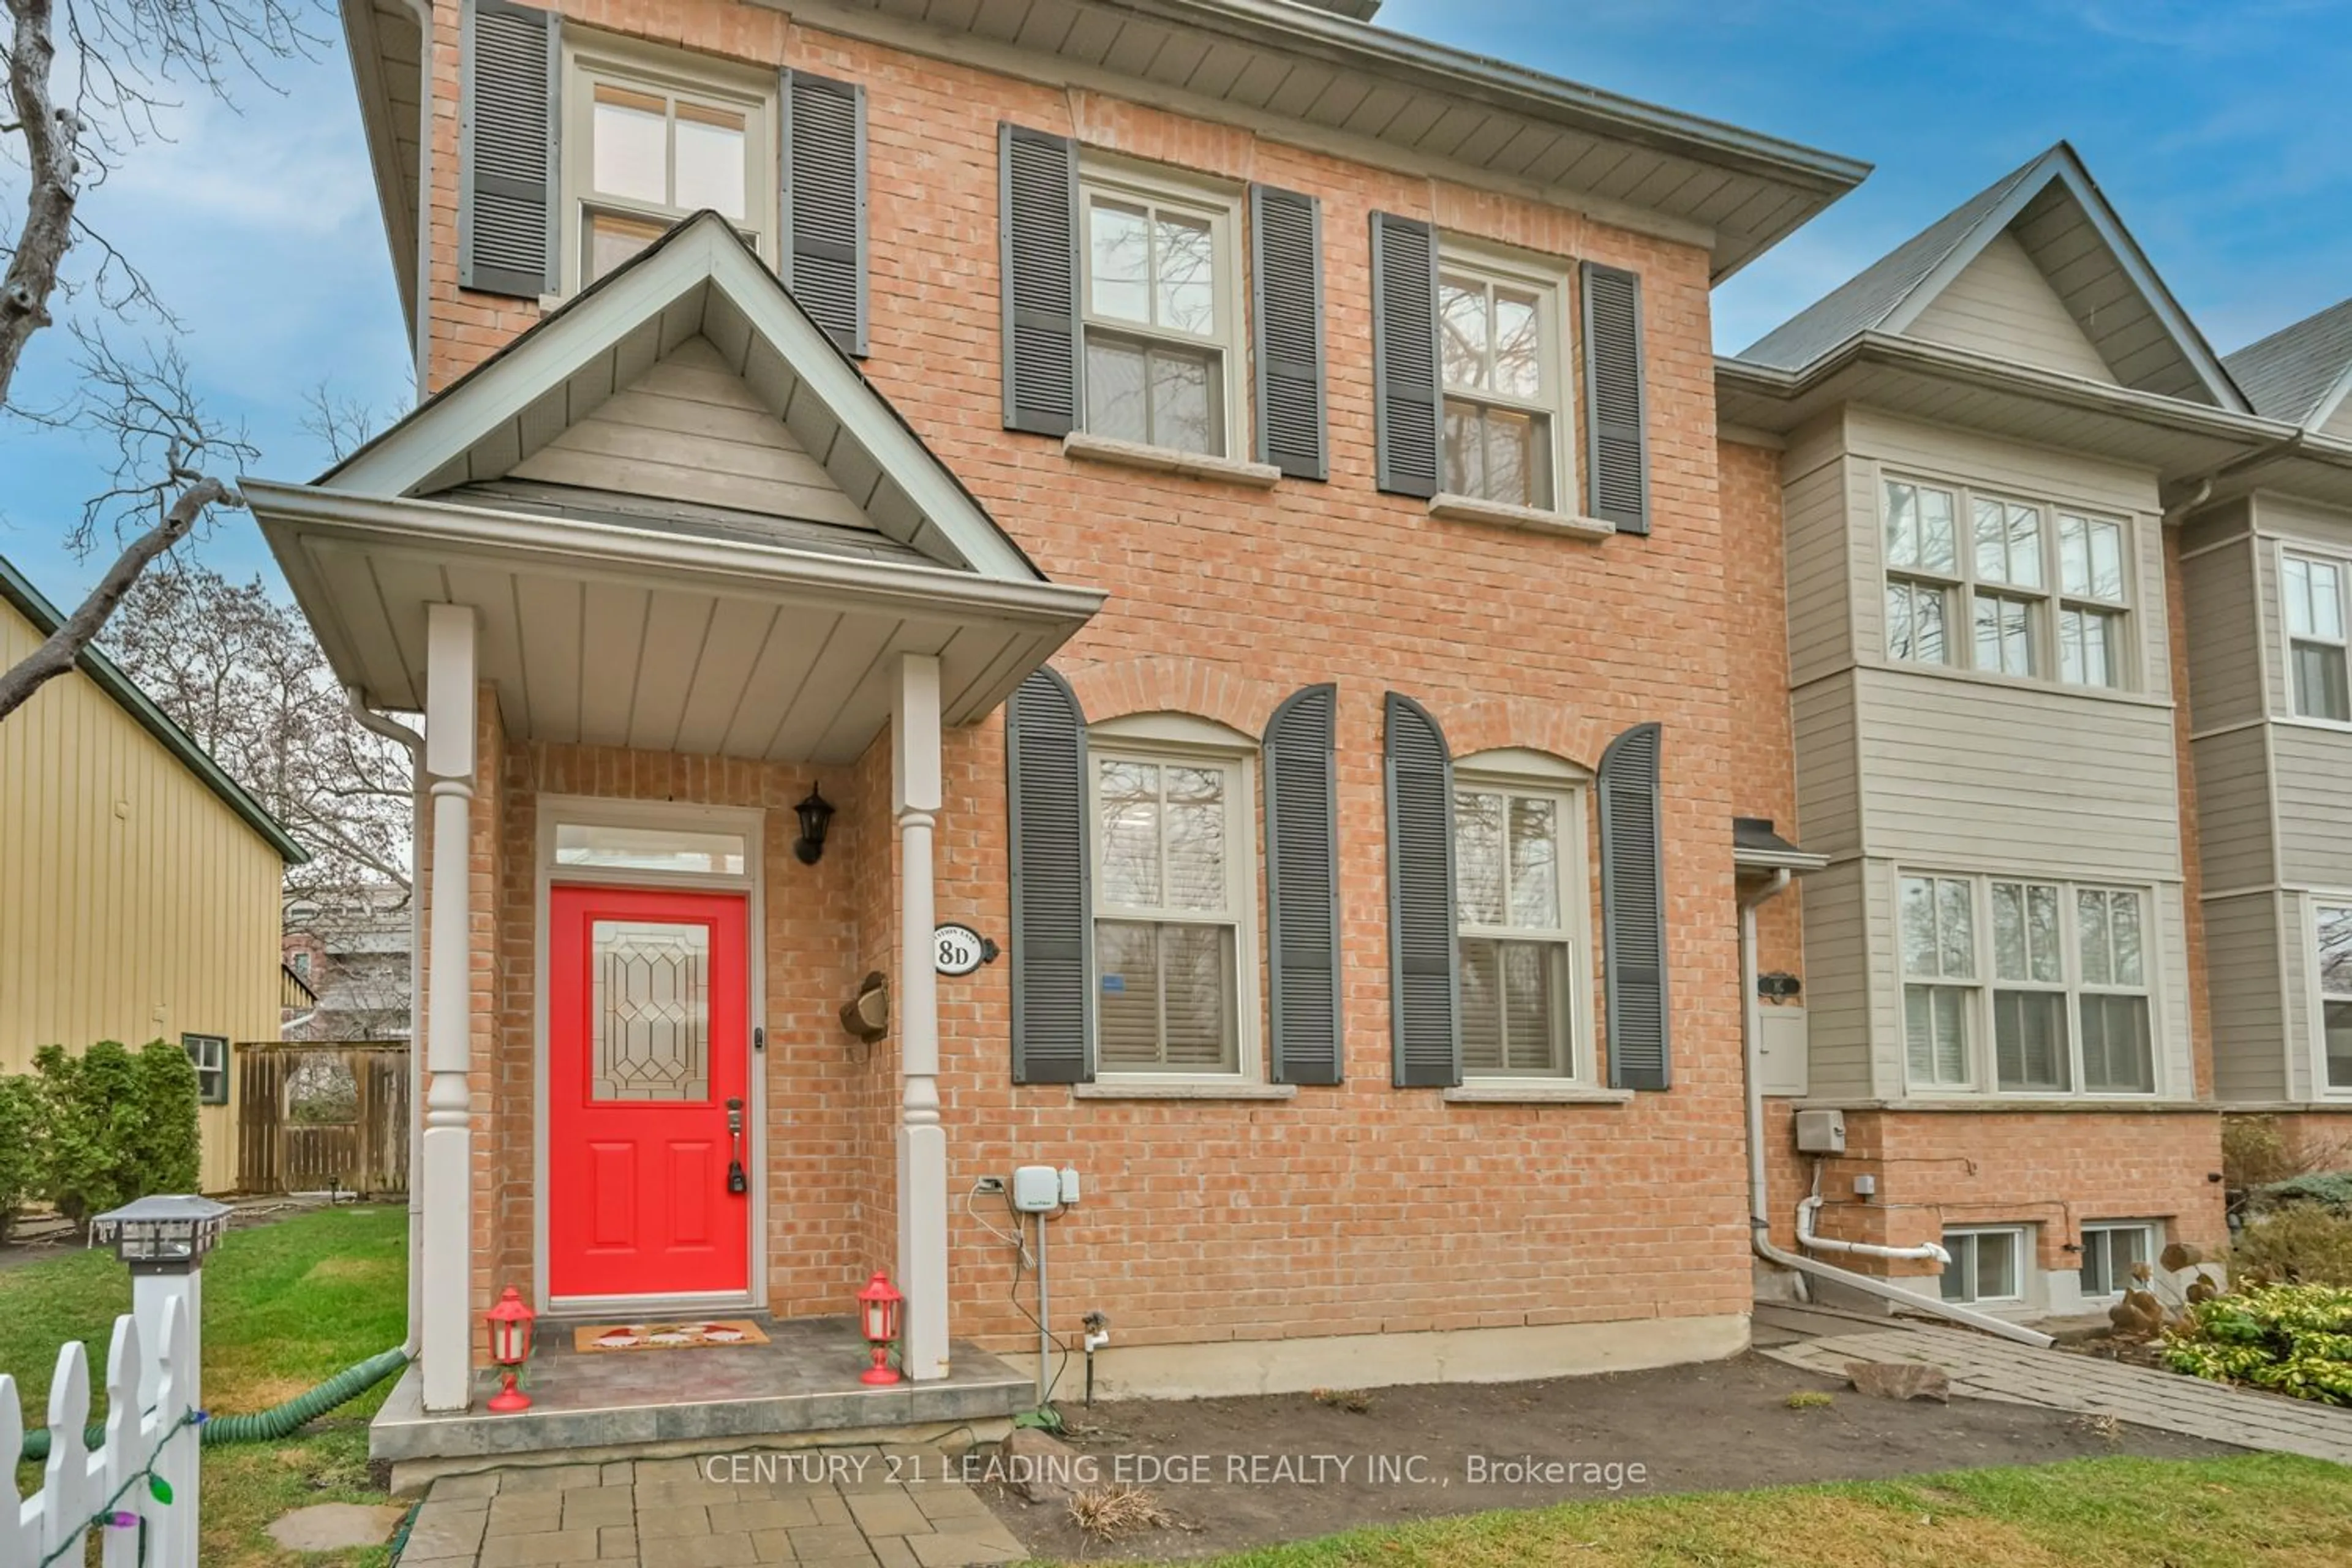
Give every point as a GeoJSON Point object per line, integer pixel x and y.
{"type": "Point", "coordinates": [1236, 1473]}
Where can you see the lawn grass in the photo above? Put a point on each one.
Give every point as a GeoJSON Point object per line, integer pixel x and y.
{"type": "Point", "coordinates": [2261, 1510]}
{"type": "Point", "coordinates": [286, 1306]}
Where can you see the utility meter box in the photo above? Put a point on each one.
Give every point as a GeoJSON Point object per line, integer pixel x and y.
{"type": "Point", "coordinates": [1821, 1133]}
{"type": "Point", "coordinates": [1036, 1189]}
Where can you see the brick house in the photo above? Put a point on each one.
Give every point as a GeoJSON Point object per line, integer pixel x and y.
{"type": "Point", "coordinates": [1122, 466]}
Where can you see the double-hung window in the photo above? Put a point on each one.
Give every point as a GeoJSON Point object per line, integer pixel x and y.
{"type": "Point", "coordinates": [1987, 1267]}
{"type": "Point", "coordinates": [1162, 315]}
{"type": "Point", "coordinates": [2006, 586]}
{"type": "Point", "coordinates": [1171, 834]}
{"type": "Point", "coordinates": [2112, 1253]}
{"type": "Point", "coordinates": [656, 146]}
{"type": "Point", "coordinates": [1520, 883]}
{"type": "Point", "coordinates": [2315, 594]}
{"type": "Point", "coordinates": [2113, 1004]}
{"type": "Point", "coordinates": [2029, 997]}
{"type": "Point", "coordinates": [1496, 332]}
{"type": "Point", "coordinates": [1939, 972]}
{"type": "Point", "coordinates": [2334, 927]}
{"type": "Point", "coordinates": [208, 1054]}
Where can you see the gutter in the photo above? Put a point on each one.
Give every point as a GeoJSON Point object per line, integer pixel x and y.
{"type": "Point", "coordinates": [393, 730]}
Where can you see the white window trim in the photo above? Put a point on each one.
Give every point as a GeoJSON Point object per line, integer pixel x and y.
{"type": "Point", "coordinates": [2020, 1238]}
{"type": "Point", "coordinates": [591, 58]}
{"type": "Point", "coordinates": [1182, 739]}
{"type": "Point", "coordinates": [2058, 988]}
{"type": "Point", "coordinates": [2317, 995]}
{"type": "Point", "coordinates": [228, 1088]}
{"type": "Point", "coordinates": [1525, 771]}
{"type": "Point", "coordinates": [1122, 180]}
{"type": "Point", "coordinates": [1549, 282]}
{"type": "Point", "coordinates": [1984, 1063]}
{"type": "Point", "coordinates": [1962, 588]}
{"type": "Point", "coordinates": [2152, 1229]}
{"type": "Point", "coordinates": [2342, 564]}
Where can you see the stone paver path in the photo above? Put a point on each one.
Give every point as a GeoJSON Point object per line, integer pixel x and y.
{"type": "Point", "coordinates": [838, 1508]}
{"type": "Point", "coordinates": [1988, 1368]}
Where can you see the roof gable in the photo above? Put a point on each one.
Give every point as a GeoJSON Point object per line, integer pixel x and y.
{"type": "Point", "coordinates": [2057, 218]}
{"type": "Point", "coordinates": [2001, 305]}
{"type": "Point", "coordinates": [2301, 373]}
{"type": "Point", "coordinates": [689, 377]}
{"type": "Point", "coordinates": [17, 591]}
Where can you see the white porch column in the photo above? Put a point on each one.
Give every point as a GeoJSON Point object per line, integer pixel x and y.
{"type": "Point", "coordinates": [922, 1141]}
{"type": "Point", "coordinates": [444, 1336]}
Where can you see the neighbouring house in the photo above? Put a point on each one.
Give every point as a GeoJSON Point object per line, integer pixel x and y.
{"type": "Point", "coordinates": [351, 952]}
{"type": "Point", "coordinates": [1218, 498]}
{"type": "Point", "coordinates": [138, 881]}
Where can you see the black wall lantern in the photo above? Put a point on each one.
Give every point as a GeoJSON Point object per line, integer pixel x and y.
{"type": "Point", "coordinates": [815, 814]}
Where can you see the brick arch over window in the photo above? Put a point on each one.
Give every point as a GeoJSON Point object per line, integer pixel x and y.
{"type": "Point", "coordinates": [1175, 685]}
{"type": "Point", "coordinates": [1492, 724]}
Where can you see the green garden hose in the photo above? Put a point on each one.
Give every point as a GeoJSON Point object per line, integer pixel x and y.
{"type": "Point", "coordinates": [267, 1426]}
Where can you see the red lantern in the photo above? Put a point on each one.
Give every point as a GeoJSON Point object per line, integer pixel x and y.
{"type": "Point", "coordinates": [510, 1330]}
{"type": "Point", "coordinates": [877, 1315]}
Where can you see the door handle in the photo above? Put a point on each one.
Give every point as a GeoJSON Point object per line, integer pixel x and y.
{"type": "Point", "coordinates": [737, 1182]}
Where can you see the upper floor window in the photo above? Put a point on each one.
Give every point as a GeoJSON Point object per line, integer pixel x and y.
{"type": "Point", "coordinates": [1161, 314]}
{"type": "Point", "coordinates": [2069, 998]}
{"type": "Point", "coordinates": [1520, 880]}
{"type": "Point", "coordinates": [1496, 334]}
{"type": "Point", "coordinates": [2316, 618]}
{"type": "Point", "coordinates": [658, 144]}
{"type": "Point", "coordinates": [2335, 922]}
{"type": "Point", "coordinates": [1172, 897]}
{"type": "Point", "coordinates": [2005, 586]}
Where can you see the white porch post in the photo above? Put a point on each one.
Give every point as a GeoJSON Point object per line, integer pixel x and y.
{"type": "Point", "coordinates": [444, 1336]}
{"type": "Point", "coordinates": [922, 1141]}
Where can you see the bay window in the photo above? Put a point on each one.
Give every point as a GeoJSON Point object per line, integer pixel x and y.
{"type": "Point", "coordinates": [1939, 969]}
{"type": "Point", "coordinates": [2314, 593]}
{"type": "Point", "coordinates": [2334, 969]}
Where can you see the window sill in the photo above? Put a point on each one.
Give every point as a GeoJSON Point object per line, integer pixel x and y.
{"type": "Point", "coordinates": [1131, 1089]}
{"type": "Point", "coordinates": [2145, 1104]}
{"type": "Point", "coordinates": [2126, 695]}
{"type": "Point", "coordinates": [1502, 514]}
{"type": "Point", "coordinates": [1088, 448]}
{"type": "Point", "coordinates": [1536, 1094]}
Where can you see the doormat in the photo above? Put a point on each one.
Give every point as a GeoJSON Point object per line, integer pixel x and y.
{"type": "Point", "coordinates": [680, 1336]}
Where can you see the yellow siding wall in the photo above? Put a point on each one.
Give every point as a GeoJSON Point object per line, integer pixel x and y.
{"type": "Point", "coordinates": [134, 903]}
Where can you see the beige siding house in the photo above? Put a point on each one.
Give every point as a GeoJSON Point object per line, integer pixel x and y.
{"type": "Point", "coordinates": [138, 884]}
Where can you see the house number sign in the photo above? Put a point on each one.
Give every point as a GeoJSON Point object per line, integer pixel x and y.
{"type": "Point", "coordinates": [959, 950]}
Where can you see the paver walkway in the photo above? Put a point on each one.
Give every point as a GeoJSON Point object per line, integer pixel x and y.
{"type": "Point", "coordinates": [837, 1507]}
{"type": "Point", "coordinates": [1988, 1368]}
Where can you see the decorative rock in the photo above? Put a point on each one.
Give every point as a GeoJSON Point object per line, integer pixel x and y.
{"type": "Point", "coordinates": [337, 1526]}
{"type": "Point", "coordinates": [1038, 1466]}
{"type": "Point", "coordinates": [1899, 1379]}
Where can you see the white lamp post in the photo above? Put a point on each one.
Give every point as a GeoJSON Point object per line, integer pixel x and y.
{"type": "Point", "coordinates": [164, 1240]}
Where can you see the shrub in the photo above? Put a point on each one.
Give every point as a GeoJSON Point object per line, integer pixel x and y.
{"type": "Point", "coordinates": [118, 1125]}
{"type": "Point", "coordinates": [2293, 1339]}
{"type": "Point", "coordinates": [2296, 1244]}
{"type": "Point", "coordinates": [2254, 1154]}
{"type": "Point", "coordinates": [20, 1147]}
{"type": "Point", "coordinates": [2331, 1190]}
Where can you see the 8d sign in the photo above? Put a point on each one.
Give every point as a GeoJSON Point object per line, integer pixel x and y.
{"type": "Point", "coordinates": [959, 950]}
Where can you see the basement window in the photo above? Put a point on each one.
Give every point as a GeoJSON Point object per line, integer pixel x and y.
{"type": "Point", "coordinates": [2110, 1253]}
{"type": "Point", "coordinates": [1987, 1267]}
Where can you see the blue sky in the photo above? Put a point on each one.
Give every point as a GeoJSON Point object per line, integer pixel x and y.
{"type": "Point", "coordinates": [2218, 129]}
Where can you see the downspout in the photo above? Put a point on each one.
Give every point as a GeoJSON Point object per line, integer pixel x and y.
{"type": "Point", "coordinates": [1759, 1226]}
{"type": "Point", "coordinates": [1926, 1251]}
{"type": "Point", "coordinates": [393, 730]}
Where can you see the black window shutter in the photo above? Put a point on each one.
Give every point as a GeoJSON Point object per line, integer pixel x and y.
{"type": "Point", "coordinates": [1617, 456]}
{"type": "Point", "coordinates": [1633, 909]}
{"type": "Point", "coordinates": [1302, 886]}
{"type": "Point", "coordinates": [1053, 902]}
{"type": "Point", "coordinates": [1038, 214]}
{"type": "Point", "coordinates": [1286, 309]}
{"type": "Point", "coordinates": [1404, 354]}
{"type": "Point", "coordinates": [1423, 991]}
{"type": "Point", "coordinates": [823, 242]}
{"type": "Point", "coordinates": [506, 147]}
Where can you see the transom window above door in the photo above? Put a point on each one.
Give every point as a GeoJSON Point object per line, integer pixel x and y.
{"type": "Point", "coordinates": [1160, 314]}
{"type": "Point", "coordinates": [1499, 366]}
{"type": "Point", "coordinates": [657, 146]}
{"type": "Point", "coordinates": [2005, 586]}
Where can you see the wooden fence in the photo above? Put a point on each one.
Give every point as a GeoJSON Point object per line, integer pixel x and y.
{"type": "Point", "coordinates": [314, 1117]}
{"type": "Point", "coordinates": [141, 1481]}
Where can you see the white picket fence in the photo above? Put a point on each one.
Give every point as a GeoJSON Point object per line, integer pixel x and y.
{"type": "Point", "coordinates": [144, 1444]}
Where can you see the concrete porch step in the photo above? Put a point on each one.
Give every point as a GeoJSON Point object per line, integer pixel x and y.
{"type": "Point", "coordinates": [801, 1388]}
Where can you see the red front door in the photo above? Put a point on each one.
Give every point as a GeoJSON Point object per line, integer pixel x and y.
{"type": "Point", "coordinates": [648, 1014]}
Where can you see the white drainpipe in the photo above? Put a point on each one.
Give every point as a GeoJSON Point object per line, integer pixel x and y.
{"type": "Point", "coordinates": [1758, 1223]}
{"type": "Point", "coordinates": [1811, 1205]}
{"type": "Point", "coordinates": [393, 730]}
